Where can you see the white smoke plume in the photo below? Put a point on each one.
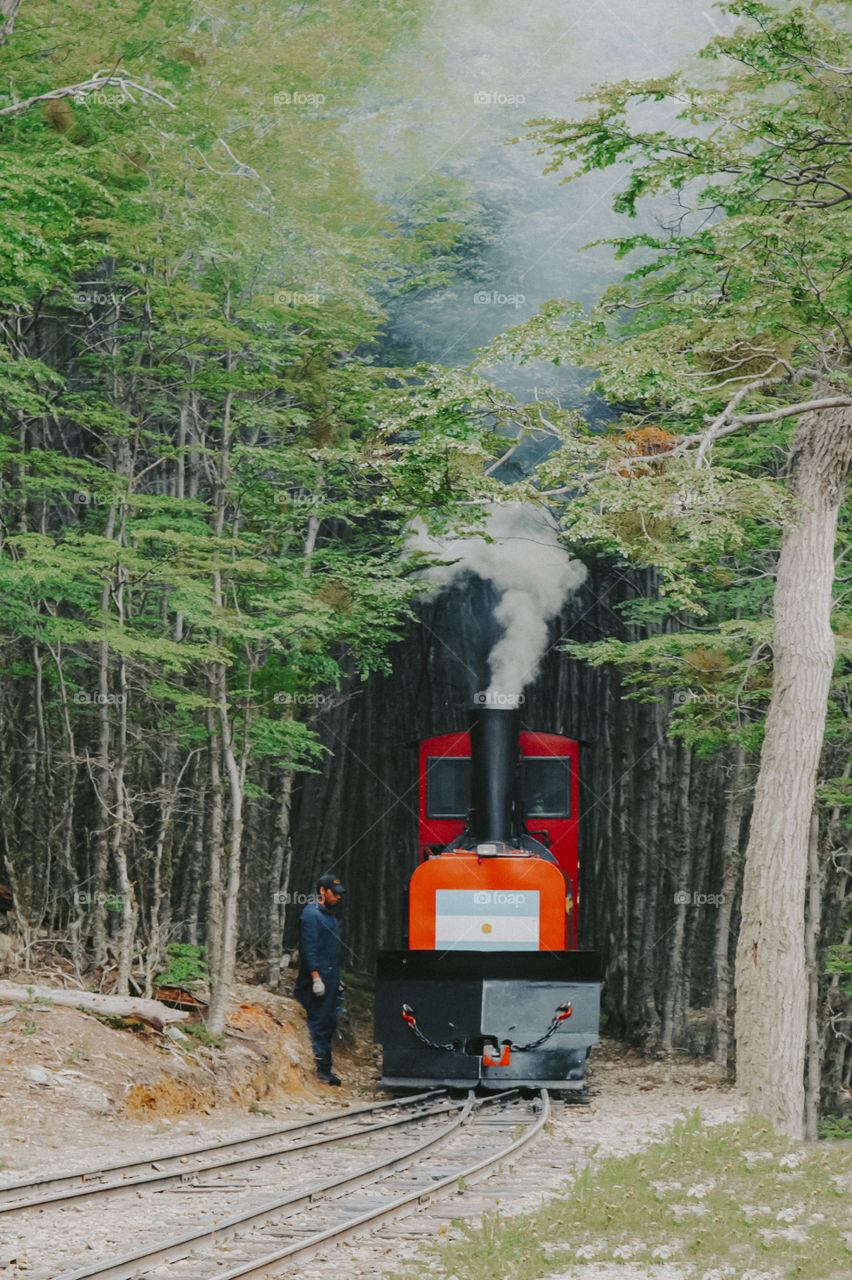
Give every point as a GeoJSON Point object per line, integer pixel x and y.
{"type": "Point", "coordinates": [533, 574]}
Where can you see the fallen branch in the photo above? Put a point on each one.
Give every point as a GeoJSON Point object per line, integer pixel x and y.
{"type": "Point", "coordinates": [116, 1006]}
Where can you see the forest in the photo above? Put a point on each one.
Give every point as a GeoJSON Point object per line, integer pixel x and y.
{"type": "Point", "coordinates": [237, 371]}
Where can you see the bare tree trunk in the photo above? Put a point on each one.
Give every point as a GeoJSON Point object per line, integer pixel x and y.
{"type": "Point", "coordinates": [731, 862]}
{"type": "Point", "coordinates": [159, 891]}
{"type": "Point", "coordinates": [682, 898]}
{"type": "Point", "coordinates": [215, 841]}
{"type": "Point", "coordinates": [222, 938]}
{"type": "Point", "coordinates": [771, 982]}
{"type": "Point", "coordinates": [127, 931]}
{"type": "Point", "coordinates": [8, 13]}
{"type": "Point", "coordinates": [196, 862]}
{"type": "Point", "coordinates": [279, 878]}
{"type": "Point", "coordinates": [102, 789]}
{"type": "Point", "coordinates": [814, 1055]}
{"type": "Point", "coordinates": [222, 980]}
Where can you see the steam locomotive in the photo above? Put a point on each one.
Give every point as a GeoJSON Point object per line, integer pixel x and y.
{"type": "Point", "coordinates": [491, 989]}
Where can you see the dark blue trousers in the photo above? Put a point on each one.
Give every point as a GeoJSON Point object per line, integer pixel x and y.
{"type": "Point", "coordinates": [322, 1024]}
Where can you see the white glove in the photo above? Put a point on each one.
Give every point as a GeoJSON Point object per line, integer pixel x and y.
{"type": "Point", "coordinates": [318, 987]}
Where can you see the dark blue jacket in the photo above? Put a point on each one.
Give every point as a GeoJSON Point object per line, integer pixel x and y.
{"type": "Point", "coordinates": [319, 947]}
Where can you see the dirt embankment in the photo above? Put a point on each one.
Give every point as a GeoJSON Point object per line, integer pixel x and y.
{"type": "Point", "coordinates": [65, 1073]}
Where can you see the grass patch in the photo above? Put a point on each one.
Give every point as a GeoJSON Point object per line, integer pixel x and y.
{"type": "Point", "coordinates": [836, 1127]}
{"type": "Point", "coordinates": [200, 1033]}
{"type": "Point", "coordinates": [729, 1202]}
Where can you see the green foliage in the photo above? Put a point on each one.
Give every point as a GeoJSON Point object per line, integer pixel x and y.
{"type": "Point", "coordinates": [832, 1128]}
{"type": "Point", "coordinates": [200, 1033]}
{"type": "Point", "coordinates": [839, 961]}
{"type": "Point", "coordinates": [187, 966]}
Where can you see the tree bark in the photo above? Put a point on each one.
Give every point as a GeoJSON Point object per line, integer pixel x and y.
{"type": "Point", "coordinates": [92, 1002]}
{"type": "Point", "coordinates": [8, 13]}
{"type": "Point", "coordinates": [814, 913]}
{"type": "Point", "coordinates": [279, 878]}
{"type": "Point", "coordinates": [771, 982]}
{"type": "Point", "coordinates": [731, 863]}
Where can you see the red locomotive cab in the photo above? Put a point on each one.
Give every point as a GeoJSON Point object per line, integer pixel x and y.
{"type": "Point", "coordinates": [547, 796]}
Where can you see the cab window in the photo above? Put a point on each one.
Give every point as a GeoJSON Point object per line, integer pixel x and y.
{"type": "Point", "coordinates": [447, 786]}
{"type": "Point", "coordinates": [547, 786]}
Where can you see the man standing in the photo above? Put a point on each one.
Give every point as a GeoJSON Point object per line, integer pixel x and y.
{"type": "Point", "coordinates": [319, 971]}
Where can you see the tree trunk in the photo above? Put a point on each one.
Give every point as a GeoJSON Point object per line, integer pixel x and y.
{"type": "Point", "coordinates": [814, 1057]}
{"type": "Point", "coordinates": [92, 1002]}
{"type": "Point", "coordinates": [683, 892]}
{"type": "Point", "coordinates": [8, 13]}
{"type": "Point", "coordinates": [279, 878]}
{"type": "Point", "coordinates": [731, 862]}
{"type": "Point", "coordinates": [771, 982]}
{"type": "Point", "coordinates": [222, 980]}
{"type": "Point", "coordinates": [215, 839]}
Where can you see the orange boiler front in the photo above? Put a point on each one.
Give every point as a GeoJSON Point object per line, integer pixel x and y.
{"type": "Point", "coordinates": [461, 902]}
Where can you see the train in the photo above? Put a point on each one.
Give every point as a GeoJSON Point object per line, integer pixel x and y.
{"type": "Point", "coordinates": [491, 989]}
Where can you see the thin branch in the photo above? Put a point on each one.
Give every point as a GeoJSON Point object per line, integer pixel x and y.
{"type": "Point", "coordinates": [790, 410]}
{"type": "Point", "coordinates": [84, 87]}
{"type": "Point", "coordinates": [716, 427]}
{"type": "Point", "coordinates": [242, 170]}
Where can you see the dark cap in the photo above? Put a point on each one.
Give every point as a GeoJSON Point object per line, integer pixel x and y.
{"type": "Point", "coordinates": [331, 882]}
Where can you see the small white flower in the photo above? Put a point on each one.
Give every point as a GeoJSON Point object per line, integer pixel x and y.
{"type": "Point", "coordinates": [682, 1211]}
{"type": "Point", "coordinates": [752, 1211]}
{"type": "Point", "coordinates": [754, 1157]}
{"type": "Point", "coordinates": [700, 1190]}
{"type": "Point", "coordinates": [791, 1161]}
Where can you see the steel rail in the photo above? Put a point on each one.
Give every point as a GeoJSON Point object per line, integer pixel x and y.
{"type": "Point", "coordinates": [127, 1267]}
{"type": "Point", "coordinates": [261, 1268]}
{"type": "Point", "coordinates": [156, 1163]}
{"type": "Point", "coordinates": [187, 1176]}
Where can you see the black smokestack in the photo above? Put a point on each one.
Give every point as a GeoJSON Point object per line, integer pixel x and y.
{"type": "Point", "coordinates": [494, 754]}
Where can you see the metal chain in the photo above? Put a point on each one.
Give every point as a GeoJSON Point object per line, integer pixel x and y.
{"type": "Point", "coordinates": [564, 1011]}
{"type": "Point", "coordinates": [408, 1015]}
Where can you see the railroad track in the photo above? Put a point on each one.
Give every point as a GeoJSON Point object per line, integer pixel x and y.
{"type": "Point", "coordinates": [185, 1166]}
{"type": "Point", "coordinates": [269, 1236]}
